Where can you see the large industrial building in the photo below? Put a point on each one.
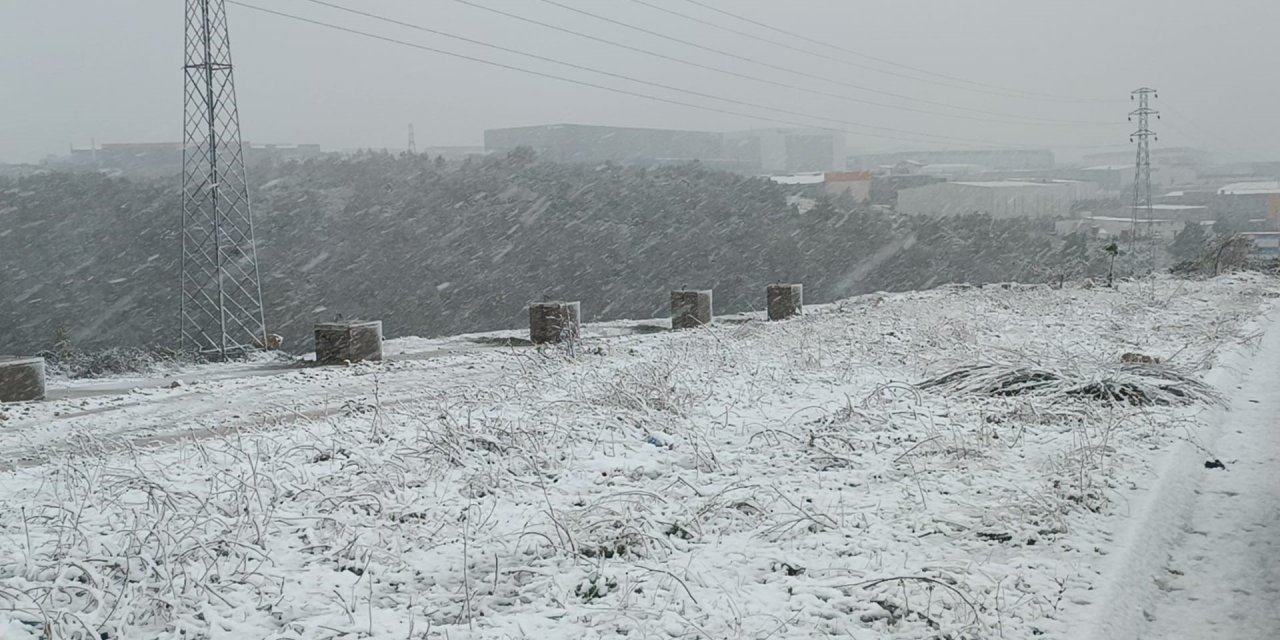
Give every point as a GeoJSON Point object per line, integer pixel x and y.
{"type": "Point", "coordinates": [1001, 199]}
{"type": "Point", "coordinates": [754, 151]}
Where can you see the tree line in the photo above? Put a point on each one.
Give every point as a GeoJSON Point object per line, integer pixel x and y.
{"type": "Point", "coordinates": [436, 248]}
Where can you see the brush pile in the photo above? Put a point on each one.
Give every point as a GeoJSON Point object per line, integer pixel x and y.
{"type": "Point", "coordinates": [1127, 383]}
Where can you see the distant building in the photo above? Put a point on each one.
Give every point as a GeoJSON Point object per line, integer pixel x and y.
{"type": "Point", "coordinates": [755, 151]}
{"type": "Point", "coordinates": [855, 184]}
{"type": "Point", "coordinates": [797, 179]}
{"type": "Point", "coordinates": [165, 158]}
{"type": "Point", "coordinates": [1259, 188]}
{"type": "Point", "coordinates": [1263, 244]}
{"type": "Point", "coordinates": [1114, 178]}
{"type": "Point", "coordinates": [1188, 197]}
{"type": "Point", "coordinates": [812, 184]}
{"type": "Point", "coordinates": [1079, 189]}
{"type": "Point", "coordinates": [1001, 199]}
{"type": "Point", "coordinates": [885, 188]}
{"type": "Point", "coordinates": [1167, 156]}
{"type": "Point", "coordinates": [1120, 177]}
{"type": "Point", "coordinates": [951, 169]}
{"type": "Point", "coordinates": [989, 158]}
{"type": "Point", "coordinates": [789, 150]}
{"type": "Point", "coordinates": [1182, 212]}
{"type": "Point", "coordinates": [576, 143]}
{"type": "Point", "coordinates": [1241, 201]}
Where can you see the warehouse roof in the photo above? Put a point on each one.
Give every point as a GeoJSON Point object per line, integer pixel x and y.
{"type": "Point", "coordinates": [1002, 184]}
{"type": "Point", "coordinates": [800, 178]}
{"type": "Point", "coordinates": [1173, 207]}
{"type": "Point", "coordinates": [1130, 220]}
{"type": "Point", "coordinates": [1250, 188]}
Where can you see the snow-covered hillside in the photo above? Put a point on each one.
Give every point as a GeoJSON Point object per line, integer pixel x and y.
{"type": "Point", "coordinates": [746, 480]}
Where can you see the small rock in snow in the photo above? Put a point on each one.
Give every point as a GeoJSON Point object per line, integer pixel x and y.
{"type": "Point", "coordinates": [660, 439]}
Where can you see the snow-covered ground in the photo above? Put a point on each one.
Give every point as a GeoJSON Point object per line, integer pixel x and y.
{"type": "Point", "coordinates": [747, 480]}
{"type": "Point", "coordinates": [1221, 579]}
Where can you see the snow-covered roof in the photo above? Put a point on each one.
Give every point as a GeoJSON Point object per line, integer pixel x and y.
{"type": "Point", "coordinates": [799, 178]}
{"type": "Point", "coordinates": [1001, 184]}
{"type": "Point", "coordinates": [1173, 207]}
{"type": "Point", "coordinates": [1250, 188]}
{"type": "Point", "coordinates": [953, 166]}
{"type": "Point", "coordinates": [1130, 220]}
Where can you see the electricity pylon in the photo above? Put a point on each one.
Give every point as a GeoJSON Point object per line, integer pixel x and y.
{"type": "Point", "coordinates": [1142, 168]}
{"type": "Point", "coordinates": [221, 303]}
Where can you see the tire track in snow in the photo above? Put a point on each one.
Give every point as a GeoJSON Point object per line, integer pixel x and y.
{"type": "Point", "coordinates": [1223, 580]}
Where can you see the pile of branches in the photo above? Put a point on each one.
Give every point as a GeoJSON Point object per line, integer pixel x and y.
{"type": "Point", "coordinates": [1137, 384]}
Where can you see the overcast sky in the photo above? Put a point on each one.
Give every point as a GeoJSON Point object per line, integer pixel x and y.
{"type": "Point", "coordinates": [76, 70]}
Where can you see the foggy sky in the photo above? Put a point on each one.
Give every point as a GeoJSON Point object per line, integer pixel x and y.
{"type": "Point", "coordinates": [76, 70]}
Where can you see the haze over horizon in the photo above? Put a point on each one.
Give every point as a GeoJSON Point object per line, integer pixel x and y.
{"type": "Point", "coordinates": [111, 72]}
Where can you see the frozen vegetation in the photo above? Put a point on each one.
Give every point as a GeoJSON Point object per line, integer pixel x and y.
{"type": "Point", "coordinates": [796, 479]}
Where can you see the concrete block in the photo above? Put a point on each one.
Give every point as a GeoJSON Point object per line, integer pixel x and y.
{"type": "Point", "coordinates": [785, 300]}
{"type": "Point", "coordinates": [348, 341]}
{"type": "Point", "coordinates": [554, 321]}
{"type": "Point", "coordinates": [690, 309]}
{"type": "Point", "coordinates": [21, 379]}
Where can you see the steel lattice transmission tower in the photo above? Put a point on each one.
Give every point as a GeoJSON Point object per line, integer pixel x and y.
{"type": "Point", "coordinates": [221, 305]}
{"type": "Point", "coordinates": [413, 141]}
{"type": "Point", "coordinates": [1142, 176]}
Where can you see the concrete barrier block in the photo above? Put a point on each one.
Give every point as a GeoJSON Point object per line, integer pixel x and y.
{"type": "Point", "coordinates": [21, 379]}
{"type": "Point", "coordinates": [690, 309]}
{"type": "Point", "coordinates": [551, 322]}
{"type": "Point", "coordinates": [785, 300]}
{"type": "Point", "coordinates": [338, 342]}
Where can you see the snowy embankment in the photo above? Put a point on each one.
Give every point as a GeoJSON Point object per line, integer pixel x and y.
{"type": "Point", "coordinates": [748, 480]}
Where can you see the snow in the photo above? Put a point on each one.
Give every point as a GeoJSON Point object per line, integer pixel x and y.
{"type": "Point", "coordinates": [1222, 579]}
{"type": "Point", "coordinates": [1250, 188]}
{"type": "Point", "coordinates": [1172, 207]}
{"type": "Point", "coordinates": [1004, 184]}
{"type": "Point", "coordinates": [800, 178]}
{"type": "Point", "coordinates": [1127, 220]}
{"type": "Point", "coordinates": [746, 480]}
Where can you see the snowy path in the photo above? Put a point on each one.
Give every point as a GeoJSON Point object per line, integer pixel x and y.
{"type": "Point", "coordinates": [1223, 581]}
{"type": "Point", "coordinates": [119, 413]}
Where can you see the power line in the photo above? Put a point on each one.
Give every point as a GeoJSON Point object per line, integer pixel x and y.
{"type": "Point", "coordinates": [770, 65]}
{"type": "Point", "coordinates": [917, 137]}
{"type": "Point", "coordinates": [1005, 90]}
{"type": "Point", "coordinates": [585, 83]}
{"type": "Point", "coordinates": [1023, 119]}
{"type": "Point", "coordinates": [1214, 139]}
{"type": "Point", "coordinates": [658, 85]}
{"type": "Point", "coordinates": [811, 52]}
